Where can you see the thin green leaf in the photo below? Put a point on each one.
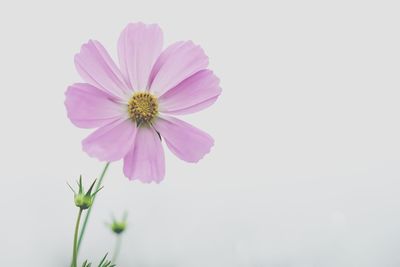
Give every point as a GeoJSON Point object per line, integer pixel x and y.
{"type": "Point", "coordinates": [102, 260]}
{"type": "Point", "coordinates": [106, 263]}
{"type": "Point", "coordinates": [125, 216]}
{"type": "Point", "coordinates": [89, 192]}
{"type": "Point", "coordinates": [80, 185]}
{"type": "Point", "coordinates": [71, 188]}
{"type": "Point", "coordinates": [86, 264]}
{"type": "Point", "coordinates": [97, 191]}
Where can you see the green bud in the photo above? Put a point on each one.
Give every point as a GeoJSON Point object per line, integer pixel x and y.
{"type": "Point", "coordinates": [84, 200]}
{"type": "Point", "coordinates": [119, 227]}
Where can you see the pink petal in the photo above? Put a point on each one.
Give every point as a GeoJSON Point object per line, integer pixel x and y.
{"type": "Point", "coordinates": [139, 45]}
{"type": "Point", "coordinates": [178, 62]}
{"type": "Point", "coordinates": [195, 93]}
{"type": "Point", "coordinates": [89, 107]}
{"type": "Point", "coordinates": [111, 142]}
{"type": "Point", "coordinates": [184, 140]}
{"type": "Point", "coordinates": [96, 67]}
{"type": "Point", "coordinates": [146, 160]}
{"type": "Point", "coordinates": [200, 106]}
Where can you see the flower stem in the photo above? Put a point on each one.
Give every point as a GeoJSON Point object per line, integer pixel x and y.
{"type": "Point", "coordinates": [85, 221]}
{"type": "Point", "coordinates": [75, 248]}
{"type": "Point", "coordinates": [117, 248]}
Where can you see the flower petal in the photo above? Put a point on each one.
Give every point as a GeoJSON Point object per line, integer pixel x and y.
{"type": "Point", "coordinates": [96, 67]}
{"type": "Point", "coordinates": [178, 62]}
{"type": "Point", "coordinates": [195, 93]}
{"type": "Point", "coordinates": [89, 107]}
{"type": "Point", "coordinates": [146, 160]}
{"type": "Point", "coordinates": [139, 46]}
{"type": "Point", "coordinates": [200, 106]}
{"type": "Point", "coordinates": [111, 142]}
{"type": "Point", "coordinates": [184, 140]}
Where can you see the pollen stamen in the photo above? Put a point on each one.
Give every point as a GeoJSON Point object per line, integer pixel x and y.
{"type": "Point", "coordinates": [143, 108]}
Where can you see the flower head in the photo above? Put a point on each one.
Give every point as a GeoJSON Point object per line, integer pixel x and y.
{"type": "Point", "coordinates": [132, 106]}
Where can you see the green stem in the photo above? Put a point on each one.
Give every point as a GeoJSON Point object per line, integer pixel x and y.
{"type": "Point", "coordinates": [85, 221]}
{"type": "Point", "coordinates": [117, 248]}
{"type": "Point", "coordinates": [75, 249]}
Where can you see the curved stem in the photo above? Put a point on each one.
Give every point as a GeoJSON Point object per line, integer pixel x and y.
{"type": "Point", "coordinates": [91, 207]}
{"type": "Point", "coordinates": [117, 248]}
{"type": "Point", "coordinates": [75, 248]}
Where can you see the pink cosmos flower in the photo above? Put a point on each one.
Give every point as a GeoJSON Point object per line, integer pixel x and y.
{"type": "Point", "coordinates": [131, 105]}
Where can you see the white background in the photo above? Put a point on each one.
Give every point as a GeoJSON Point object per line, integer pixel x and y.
{"type": "Point", "coordinates": [306, 166]}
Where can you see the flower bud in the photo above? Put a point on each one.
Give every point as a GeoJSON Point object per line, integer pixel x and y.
{"type": "Point", "coordinates": [84, 200]}
{"type": "Point", "coordinates": [119, 227]}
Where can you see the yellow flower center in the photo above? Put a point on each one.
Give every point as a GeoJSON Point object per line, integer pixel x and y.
{"type": "Point", "coordinates": [143, 108]}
